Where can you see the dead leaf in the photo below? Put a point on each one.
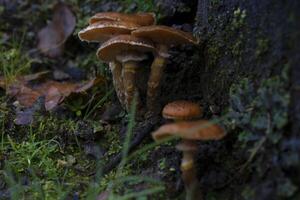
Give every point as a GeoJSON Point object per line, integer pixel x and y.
{"type": "Point", "coordinates": [53, 98]}
{"type": "Point", "coordinates": [24, 117]}
{"type": "Point", "coordinates": [26, 96]}
{"type": "Point", "coordinates": [54, 92]}
{"type": "Point", "coordinates": [52, 37]}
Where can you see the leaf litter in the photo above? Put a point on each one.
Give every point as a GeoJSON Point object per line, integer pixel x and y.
{"type": "Point", "coordinates": [52, 38]}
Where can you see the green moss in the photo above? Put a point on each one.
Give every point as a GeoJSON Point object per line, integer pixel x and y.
{"type": "Point", "coordinates": [262, 47]}
{"type": "Point", "coordinates": [261, 114]}
{"type": "Point", "coordinates": [215, 3]}
{"type": "Point", "coordinates": [140, 5]}
{"type": "Point", "coordinates": [213, 53]}
{"type": "Point", "coordinates": [238, 20]}
{"type": "Point", "coordinates": [13, 62]}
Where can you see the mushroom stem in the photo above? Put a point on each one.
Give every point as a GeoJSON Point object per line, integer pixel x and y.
{"type": "Point", "coordinates": [129, 75]}
{"type": "Point", "coordinates": [116, 70]}
{"type": "Point", "coordinates": [154, 81]}
{"type": "Point", "coordinates": [189, 171]}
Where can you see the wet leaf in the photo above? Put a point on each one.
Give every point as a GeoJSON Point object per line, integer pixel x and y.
{"type": "Point", "coordinates": [53, 36]}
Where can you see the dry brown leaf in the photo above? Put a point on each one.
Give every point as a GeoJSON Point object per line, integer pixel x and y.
{"type": "Point", "coordinates": [53, 98]}
{"type": "Point", "coordinates": [52, 37]}
{"type": "Point", "coordinates": [26, 96]}
{"type": "Point", "coordinates": [54, 92]}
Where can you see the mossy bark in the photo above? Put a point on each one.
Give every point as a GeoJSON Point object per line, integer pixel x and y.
{"type": "Point", "coordinates": [239, 39]}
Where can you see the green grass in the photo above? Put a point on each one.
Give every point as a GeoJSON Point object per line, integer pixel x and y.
{"type": "Point", "coordinates": [13, 61]}
{"type": "Point", "coordinates": [37, 154]}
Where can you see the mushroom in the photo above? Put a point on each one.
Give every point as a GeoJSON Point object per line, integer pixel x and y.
{"type": "Point", "coordinates": [164, 37]}
{"type": "Point", "coordinates": [128, 50]}
{"type": "Point", "coordinates": [182, 110]}
{"type": "Point", "coordinates": [190, 132]}
{"type": "Point", "coordinates": [142, 19]}
{"type": "Point", "coordinates": [102, 31]}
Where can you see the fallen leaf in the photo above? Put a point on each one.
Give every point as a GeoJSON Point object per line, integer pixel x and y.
{"type": "Point", "coordinates": [52, 37]}
{"type": "Point", "coordinates": [26, 96]}
{"type": "Point", "coordinates": [53, 98]}
{"type": "Point", "coordinates": [54, 92]}
{"type": "Point", "coordinates": [24, 117]}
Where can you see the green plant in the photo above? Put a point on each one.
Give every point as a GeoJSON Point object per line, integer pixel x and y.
{"type": "Point", "coordinates": [33, 154]}
{"type": "Point", "coordinates": [238, 20]}
{"type": "Point", "coordinates": [13, 63]}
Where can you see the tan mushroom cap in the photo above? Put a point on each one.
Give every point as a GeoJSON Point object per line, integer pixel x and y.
{"type": "Point", "coordinates": [181, 110]}
{"type": "Point", "coordinates": [123, 43]}
{"type": "Point", "coordinates": [142, 19]}
{"type": "Point", "coordinates": [195, 130]}
{"type": "Point", "coordinates": [102, 31]}
{"type": "Point", "coordinates": [165, 35]}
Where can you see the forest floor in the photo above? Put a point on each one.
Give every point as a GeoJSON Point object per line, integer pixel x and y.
{"type": "Point", "coordinates": [60, 154]}
{"type": "Point", "coordinates": [62, 126]}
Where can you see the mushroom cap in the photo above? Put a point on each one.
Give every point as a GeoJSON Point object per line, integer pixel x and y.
{"type": "Point", "coordinates": [195, 130]}
{"type": "Point", "coordinates": [165, 35]}
{"type": "Point", "coordinates": [109, 50]}
{"type": "Point", "coordinates": [182, 110]}
{"type": "Point", "coordinates": [142, 19]}
{"type": "Point", "coordinates": [101, 31]}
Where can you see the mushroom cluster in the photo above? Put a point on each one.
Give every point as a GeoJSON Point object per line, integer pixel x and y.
{"type": "Point", "coordinates": [190, 129]}
{"type": "Point", "coordinates": [126, 40]}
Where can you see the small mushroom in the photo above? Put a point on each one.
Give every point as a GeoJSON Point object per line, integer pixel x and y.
{"type": "Point", "coordinates": [142, 19]}
{"type": "Point", "coordinates": [182, 110]}
{"type": "Point", "coordinates": [190, 132]}
{"type": "Point", "coordinates": [164, 37]}
{"type": "Point", "coordinates": [102, 31]}
{"type": "Point", "coordinates": [128, 50]}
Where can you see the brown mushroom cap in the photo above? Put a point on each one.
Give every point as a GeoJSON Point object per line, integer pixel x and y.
{"type": "Point", "coordinates": [165, 35]}
{"type": "Point", "coordinates": [181, 110]}
{"type": "Point", "coordinates": [142, 19]}
{"type": "Point", "coordinates": [124, 43]}
{"type": "Point", "coordinates": [195, 130]}
{"type": "Point", "coordinates": [101, 31]}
